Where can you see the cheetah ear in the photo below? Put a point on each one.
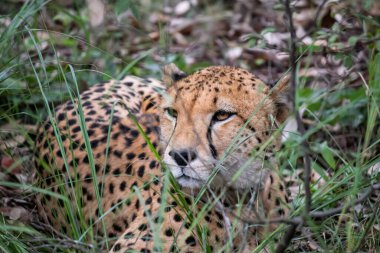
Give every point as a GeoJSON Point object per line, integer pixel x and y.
{"type": "Point", "coordinates": [171, 74]}
{"type": "Point", "coordinates": [280, 95]}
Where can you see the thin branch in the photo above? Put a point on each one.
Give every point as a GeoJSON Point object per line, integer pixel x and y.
{"type": "Point", "coordinates": [299, 220]}
{"type": "Point", "coordinates": [293, 90]}
{"type": "Point", "coordinates": [281, 247]}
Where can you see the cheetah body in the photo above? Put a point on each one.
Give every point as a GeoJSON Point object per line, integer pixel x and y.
{"type": "Point", "coordinates": [112, 176]}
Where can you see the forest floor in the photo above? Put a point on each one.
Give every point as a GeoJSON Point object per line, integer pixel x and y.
{"type": "Point", "coordinates": [337, 63]}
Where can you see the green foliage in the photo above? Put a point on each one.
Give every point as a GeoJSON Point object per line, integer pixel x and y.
{"type": "Point", "coordinates": [41, 66]}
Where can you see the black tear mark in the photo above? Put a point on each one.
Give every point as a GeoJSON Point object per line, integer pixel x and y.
{"type": "Point", "coordinates": [211, 145]}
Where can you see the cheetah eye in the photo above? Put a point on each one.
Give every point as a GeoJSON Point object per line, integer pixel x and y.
{"type": "Point", "coordinates": [171, 112]}
{"type": "Point", "coordinates": [222, 115]}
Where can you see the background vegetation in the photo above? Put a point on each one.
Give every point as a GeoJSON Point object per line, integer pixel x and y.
{"type": "Point", "coordinates": [337, 95]}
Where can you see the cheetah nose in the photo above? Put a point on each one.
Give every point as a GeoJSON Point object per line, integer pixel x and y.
{"type": "Point", "coordinates": [183, 157]}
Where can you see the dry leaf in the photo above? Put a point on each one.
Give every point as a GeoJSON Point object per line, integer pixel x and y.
{"type": "Point", "coordinates": [182, 7]}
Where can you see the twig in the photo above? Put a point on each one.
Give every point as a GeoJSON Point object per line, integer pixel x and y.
{"type": "Point", "coordinates": [293, 78]}
{"type": "Point", "coordinates": [301, 127]}
{"type": "Point", "coordinates": [299, 220]}
{"type": "Point", "coordinates": [281, 247]}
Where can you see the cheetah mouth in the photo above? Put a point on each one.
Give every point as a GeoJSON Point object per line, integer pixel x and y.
{"type": "Point", "coordinates": [190, 182]}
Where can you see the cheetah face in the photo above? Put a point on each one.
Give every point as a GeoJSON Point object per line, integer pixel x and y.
{"type": "Point", "coordinates": [211, 121]}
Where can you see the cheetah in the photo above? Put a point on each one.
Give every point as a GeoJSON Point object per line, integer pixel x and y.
{"type": "Point", "coordinates": [103, 151]}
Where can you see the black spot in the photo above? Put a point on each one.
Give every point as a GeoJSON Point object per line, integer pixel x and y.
{"type": "Point", "coordinates": [140, 171]}
{"type": "Point", "coordinates": [74, 162]}
{"type": "Point", "coordinates": [76, 129]}
{"type": "Point", "coordinates": [105, 129]}
{"type": "Point", "coordinates": [158, 219]}
{"type": "Point", "coordinates": [90, 132]}
{"type": "Point", "coordinates": [117, 153]}
{"type": "Point", "coordinates": [142, 156]}
{"type": "Point", "coordinates": [100, 90]}
{"type": "Point", "coordinates": [61, 117]}
{"type": "Point", "coordinates": [143, 227]}
{"type": "Point", "coordinates": [134, 133]}
{"type": "Point", "coordinates": [85, 159]}
{"type": "Point", "coordinates": [122, 186]}
{"type": "Point", "coordinates": [46, 126]}
{"type": "Point", "coordinates": [130, 156]}
{"type": "Point", "coordinates": [146, 238]}
{"type": "Point", "coordinates": [116, 172]}
{"type": "Point", "coordinates": [169, 232]}
{"type": "Point", "coordinates": [126, 224]}
{"type": "Point", "coordinates": [92, 112]}
{"type": "Point", "coordinates": [146, 186]}
{"type": "Point", "coordinates": [59, 153]}
{"type": "Point", "coordinates": [111, 187]}
{"type": "Point", "coordinates": [107, 169]}
{"type": "Point", "coordinates": [124, 129]}
{"type": "Point", "coordinates": [220, 216]}
{"type": "Point", "coordinates": [149, 105]}
{"type": "Point", "coordinates": [137, 204]}
{"type": "Point", "coordinates": [128, 142]}
{"type": "Point", "coordinates": [129, 235]}
{"type": "Point", "coordinates": [152, 165]}
{"type": "Point", "coordinates": [72, 122]}
{"type": "Point", "coordinates": [87, 103]}
{"type": "Point", "coordinates": [101, 187]}
{"type": "Point", "coordinates": [89, 197]}
{"type": "Point", "coordinates": [156, 180]}
{"type": "Point", "coordinates": [117, 247]}
{"type": "Point", "coordinates": [191, 241]}
{"type": "Point", "coordinates": [115, 136]}
{"type": "Point", "coordinates": [133, 185]}
{"type": "Point", "coordinates": [129, 84]}
{"type": "Point", "coordinates": [117, 228]}
{"type": "Point", "coordinates": [128, 169]}
{"type": "Point", "coordinates": [188, 200]}
{"type": "Point", "coordinates": [177, 217]}
{"type": "Point", "coordinates": [174, 248]}
{"type": "Point", "coordinates": [94, 143]}
{"type": "Point", "coordinates": [148, 201]}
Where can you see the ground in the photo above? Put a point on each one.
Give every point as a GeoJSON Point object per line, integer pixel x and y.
{"type": "Point", "coordinates": [51, 49]}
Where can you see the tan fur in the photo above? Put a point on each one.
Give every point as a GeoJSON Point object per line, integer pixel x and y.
{"type": "Point", "coordinates": [130, 163]}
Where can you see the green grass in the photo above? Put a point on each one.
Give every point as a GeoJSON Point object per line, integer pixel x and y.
{"type": "Point", "coordinates": [35, 78]}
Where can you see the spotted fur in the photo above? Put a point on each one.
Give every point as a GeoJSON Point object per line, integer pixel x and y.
{"type": "Point", "coordinates": [123, 161]}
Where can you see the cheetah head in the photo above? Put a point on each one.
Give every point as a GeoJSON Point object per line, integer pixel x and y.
{"type": "Point", "coordinates": [213, 120]}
